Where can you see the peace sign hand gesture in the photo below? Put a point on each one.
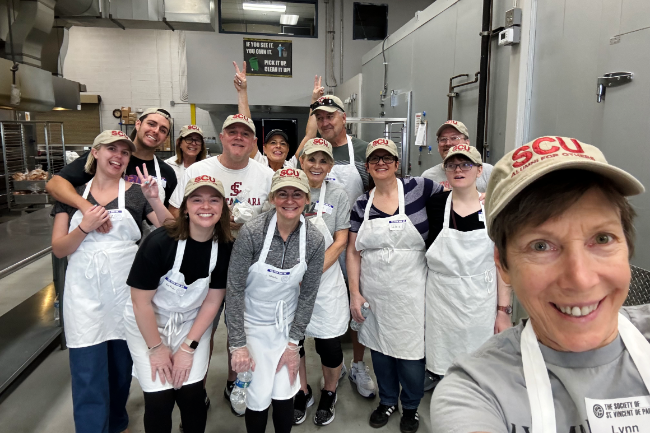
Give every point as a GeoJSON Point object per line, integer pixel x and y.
{"type": "Point", "coordinates": [318, 89]}
{"type": "Point", "coordinates": [240, 77]}
{"type": "Point", "coordinates": [148, 184]}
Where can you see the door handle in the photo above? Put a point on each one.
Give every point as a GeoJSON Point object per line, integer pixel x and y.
{"type": "Point", "coordinates": [611, 79]}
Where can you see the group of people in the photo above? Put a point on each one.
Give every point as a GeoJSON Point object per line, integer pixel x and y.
{"type": "Point", "coordinates": [425, 265]}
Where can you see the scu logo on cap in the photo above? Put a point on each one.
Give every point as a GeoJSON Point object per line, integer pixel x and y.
{"type": "Point", "coordinates": [451, 122]}
{"type": "Point", "coordinates": [192, 127]}
{"type": "Point", "coordinates": [380, 141]}
{"type": "Point", "coordinates": [118, 133]}
{"type": "Point", "coordinates": [204, 178]}
{"type": "Point", "coordinates": [289, 172]}
{"type": "Point", "coordinates": [241, 116]}
{"type": "Point", "coordinates": [460, 147]}
{"type": "Point", "coordinates": [322, 98]}
{"type": "Point", "coordinates": [525, 153]}
{"type": "Point", "coordinates": [320, 141]}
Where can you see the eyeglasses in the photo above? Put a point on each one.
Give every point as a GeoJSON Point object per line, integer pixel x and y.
{"type": "Point", "coordinates": [388, 159]}
{"type": "Point", "coordinates": [190, 140]}
{"type": "Point", "coordinates": [445, 140]}
{"type": "Point", "coordinates": [325, 102]}
{"type": "Point", "coordinates": [283, 195]}
{"type": "Point", "coordinates": [464, 166]}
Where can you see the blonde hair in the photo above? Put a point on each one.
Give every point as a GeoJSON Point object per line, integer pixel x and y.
{"type": "Point", "coordinates": [91, 161]}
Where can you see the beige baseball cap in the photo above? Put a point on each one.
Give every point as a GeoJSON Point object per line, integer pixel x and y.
{"type": "Point", "coordinates": [466, 150]}
{"type": "Point", "coordinates": [111, 136]}
{"type": "Point", "coordinates": [318, 145]}
{"type": "Point", "coordinates": [382, 143]}
{"type": "Point", "coordinates": [524, 165]}
{"type": "Point", "coordinates": [458, 126]}
{"type": "Point", "coordinates": [164, 113]}
{"type": "Point", "coordinates": [190, 129]}
{"type": "Point", "coordinates": [204, 180]}
{"type": "Point", "coordinates": [329, 103]}
{"type": "Point", "coordinates": [238, 118]}
{"type": "Point", "coordinates": [290, 177]}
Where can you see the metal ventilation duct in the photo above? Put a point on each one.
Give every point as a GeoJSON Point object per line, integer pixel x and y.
{"type": "Point", "coordinates": [30, 30]}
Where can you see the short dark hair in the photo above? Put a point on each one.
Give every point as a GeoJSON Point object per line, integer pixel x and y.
{"type": "Point", "coordinates": [549, 197]}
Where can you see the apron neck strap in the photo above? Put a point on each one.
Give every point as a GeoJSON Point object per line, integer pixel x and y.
{"type": "Point", "coordinates": [180, 252]}
{"type": "Point", "coordinates": [400, 200]}
{"type": "Point", "coordinates": [303, 240]}
{"type": "Point", "coordinates": [321, 200]}
{"type": "Point", "coordinates": [121, 192]}
{"type": "Point", "coordinates": [449, 208]}
{"type": "Point", "coordinates": [637, 346]}
{"type": "Point", "coordinates": [155, 163]}
{"type": "Point", "coordinates": [269, 238]}
{"type": "Point", "coordinates": [350, 149]}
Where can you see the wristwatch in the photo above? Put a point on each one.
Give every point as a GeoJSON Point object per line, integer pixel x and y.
{"type": "Point", "coordinates": [507, 309]}
{"type": "Point", "coordinates": [191, 343]}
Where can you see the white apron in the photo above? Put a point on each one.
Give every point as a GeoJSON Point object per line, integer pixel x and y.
{"type": "Point", "coordinates": [176, 306]}
{"type": "Point", "coordinates": [393, 280]}
{"type": "Point", "coordinates": [146, 227]}
{"type": "Point", "coordinates": [95, 283]}
{"type": "Point", "coordinates": [461, 294]}
{"type": "Point", "coordinates": [270, 302]}
{"type": "Point", "coordinates": [538, 384]}
{"type": "Point", "coordinates": [331, 311]}
{"type": "Point", "coordinates": [348, 176]}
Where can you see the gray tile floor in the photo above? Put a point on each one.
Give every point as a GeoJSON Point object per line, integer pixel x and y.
{"type": "Point", "coordinates": [42, 402]}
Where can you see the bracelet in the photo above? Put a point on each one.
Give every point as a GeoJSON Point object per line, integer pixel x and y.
{"type": "Point", "coordinates": [187, 351]}
{"type": "Point", "coordinates": [149, 349]}
{"type": "Point", "coordinates": [82, 230]}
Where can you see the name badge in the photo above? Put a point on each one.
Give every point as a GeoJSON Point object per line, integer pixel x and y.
{"type": "Point", "coordinates": [327, 208]}
{"type": "Point", "coordinates": [161, 182]}
{"type": "Point", "coordinates": [330, 178]}
{"type": "Point", "coordinates": [116, 214]}
{"type": "Point", "coordinates": [278, 276]}
{"type": "Point", "coordinates": [481, 217]}
{"type": "Point", "coordinates": [396, 224]}
{"type": "Point", "coordinates": [175, 287]}
{"type": "Point", "coordinates": [619, 415]}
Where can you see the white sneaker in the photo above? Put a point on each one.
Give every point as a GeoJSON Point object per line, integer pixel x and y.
{"type": "Point", "coordinates": [360, 375]}
{"type": "Point", "coordinates": [344, 371]}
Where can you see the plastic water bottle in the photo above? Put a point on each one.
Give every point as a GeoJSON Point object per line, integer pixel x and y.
{"type": "Point", "coordinates": [238, 394]}
{"type": "Point", "coordinates": [365, 309]}
{"type": "Point", "coordinates": [56, 310]}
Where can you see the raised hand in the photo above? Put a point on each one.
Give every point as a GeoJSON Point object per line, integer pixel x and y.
{"type": "Point", "coordinates": [240, 77]}
{"type": "Point", "coordinates": [148, 183]}
{"type": "Point", "coordinates": [318, 89]}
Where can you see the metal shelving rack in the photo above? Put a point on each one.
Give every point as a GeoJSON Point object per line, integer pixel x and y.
{"type": "Point", "coordinates": [19, 138]}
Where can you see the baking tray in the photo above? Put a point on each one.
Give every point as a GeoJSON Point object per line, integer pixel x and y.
{"type": "Point", "coordinates": [32, 198]}
{"type": "Point", "coordinates": [29, 185]}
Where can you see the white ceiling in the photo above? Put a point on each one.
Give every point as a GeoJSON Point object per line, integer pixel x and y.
{"type": "Point", "coordinates": [233, 12]}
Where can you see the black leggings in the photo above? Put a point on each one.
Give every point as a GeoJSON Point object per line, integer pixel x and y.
{"type": "Point", "coordinates": [329, 349]}
{"type": "Point", "coordinates": [282, 417]}
{"type": "Point", "coordinates": [158, 407]}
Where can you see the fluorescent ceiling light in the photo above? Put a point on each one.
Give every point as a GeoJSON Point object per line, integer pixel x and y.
{"type": "Point", "coordinates": [289, 20]}
{"type": "Point", "coordinates": [264, 6]}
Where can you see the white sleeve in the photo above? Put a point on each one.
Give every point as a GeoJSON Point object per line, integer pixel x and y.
{"type": "Point", "coordinates": [261, 158]}
{"type": "Point", "coordinates": [293, 162]}
{"type": "Point", "coordinates": [177, 196]}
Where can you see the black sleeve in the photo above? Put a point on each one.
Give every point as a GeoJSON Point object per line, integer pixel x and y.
{"type": "Point", "coordinates": [152, 260]}
{"type": "Point", "coordinates": [219, 276]}
{"type": "Point", "coordinates": [170, 176]}
{"type": "Point", "coordinates": [74, 172]}
{"type": "Point", "coordinates": [435, 214]}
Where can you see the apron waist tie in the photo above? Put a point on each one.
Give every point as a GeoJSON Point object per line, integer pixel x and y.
{"type": "Point", "coordinates": [102, 268]}
{"type": "Point", "coordinates": [173, 327]}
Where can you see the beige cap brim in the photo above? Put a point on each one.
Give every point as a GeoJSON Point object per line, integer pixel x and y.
{"type": "Point", "coordinates": [217, 186]}
{"type": "Point", "coordinates": [128, 142]}
{"type": "Point", "coordinates": [328, 108]}
{"type": "Point", "coordinates": [391, 150]}
{"type": "Point", "coordinates": [290, 182]}
{"type": "Point", "coordinates": [447, 125]}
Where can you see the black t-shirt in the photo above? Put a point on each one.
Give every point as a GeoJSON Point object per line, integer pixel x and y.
{"type": "Point", "coordinates": [436, 215]}
{"type": "Point", "coordinates": [156, 257]}
{"type": "Point", "coordinates": [75, 174]}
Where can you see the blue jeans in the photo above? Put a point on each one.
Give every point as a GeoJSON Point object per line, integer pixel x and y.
{"type": "Point", "coordinates": [393, 372]}
{"type": "Point", "coordinates": [101, 379]}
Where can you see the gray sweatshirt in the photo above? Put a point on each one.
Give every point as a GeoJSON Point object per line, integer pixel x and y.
{"type": "Point", "coordinates": [283, 255]}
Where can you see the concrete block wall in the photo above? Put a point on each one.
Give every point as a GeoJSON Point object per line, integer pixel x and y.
{"type": "Point", "coordinates": [131, 68]}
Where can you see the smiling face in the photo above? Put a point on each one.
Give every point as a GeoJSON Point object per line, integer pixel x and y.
{"type": "Point", "coordinates": [276, 149]}
{"type": "Point", "coordinates": [152, 131]}
{"type": "Point", "coordinates": [330, 125]}
{"type": "Point", "coordinates": [381, 171]}
{"type": "Point", "coordinates": [572, 274]}
{"type": "Point", "coordinates": [459, 178]}
{"type": "Point", "coordinates": [204, 207]}
{"type": "Point", "coordinates": [192, 144]}
{"type": "Point", "coordinates": [238, 141]}
{"type": "Point", "coordinates": [448, 138]}
{"type": "Point", "coordinates": [289, 202]}
{"type": "Point", "coordinates": [316, 166]}
{"type": "Point", "coordinates": [112, 158]}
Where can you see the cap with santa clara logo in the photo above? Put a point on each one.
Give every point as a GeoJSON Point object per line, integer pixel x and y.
{"type": "Point", "coordinates": [190, 129]}
{"type": "Point", "coordinates": [204, 180]}
{"type": "Point", "coordinates": [466, 150]}
{"type": "Point", "coordinates": [238, 118]}
{"type": "Point", "coordinates": [290, 177]}
{"type": "Point", "coordinates": [111, 136]}
{"type": "Point", "coordinates": [318, 145]}
{"type": "Point", "coordinates": [382, 143]}
{"type": "Point", "coordinates": [524, 165]}
{"type": "Point", "coordinates": [458, 126]}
